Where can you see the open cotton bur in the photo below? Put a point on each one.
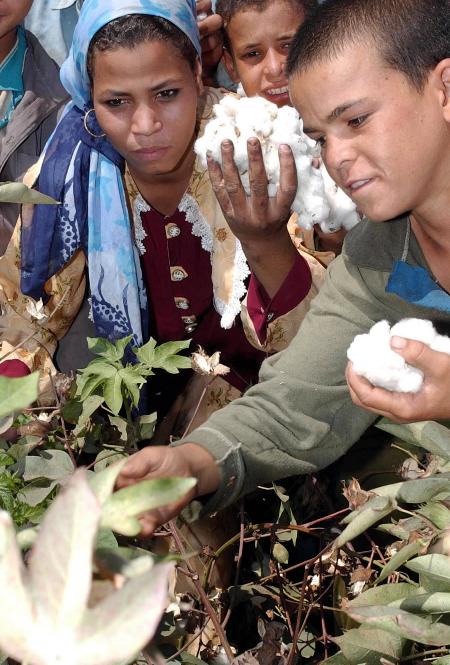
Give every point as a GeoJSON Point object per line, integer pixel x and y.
{"type": "Point", "coordinates": [318, 199]}
{"type": "Point", "coordinates": [373, 358]}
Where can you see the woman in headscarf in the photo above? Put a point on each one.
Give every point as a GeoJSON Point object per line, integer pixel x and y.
{"type": "Point", "coordinates": [138, 244]}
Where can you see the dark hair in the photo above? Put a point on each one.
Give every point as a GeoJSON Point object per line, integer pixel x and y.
{"type": "Point", "coordinates": [228, 8]}
{"type": "Point", "coordinates": [132, 29]}
{"type": "Point", "coordinates": [412, 36]}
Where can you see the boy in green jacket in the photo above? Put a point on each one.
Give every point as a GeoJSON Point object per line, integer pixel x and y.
{"type": "Point", "coordinates": [371, 80]}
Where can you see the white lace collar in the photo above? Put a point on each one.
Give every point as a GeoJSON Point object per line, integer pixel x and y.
{"type": "Point", "coordinates": [189, 206]}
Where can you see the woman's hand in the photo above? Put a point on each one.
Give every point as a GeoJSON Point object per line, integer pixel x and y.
{"type": "Point", "coordinates": [189, 460]}
{"type": "Point", "coordinates": [432, 402]}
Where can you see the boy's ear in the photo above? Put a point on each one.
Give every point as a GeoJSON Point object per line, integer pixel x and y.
{"type": "Point", "coordinates": [443, 71]}
{"type": "Point", "coordinates": [228, 61]}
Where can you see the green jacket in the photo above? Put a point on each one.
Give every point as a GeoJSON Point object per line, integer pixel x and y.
{"type": "Point", "coordinates": [300, 417]}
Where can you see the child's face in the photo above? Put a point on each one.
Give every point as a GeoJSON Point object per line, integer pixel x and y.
{"type": "Point", "coordinates": [145, 100]}
{"type": "Point", "coordinates": [259, 42]}
{"type": "Point", "coordinates": [12, 13]}
{"type": "Point", "coordinates": [383, 142]}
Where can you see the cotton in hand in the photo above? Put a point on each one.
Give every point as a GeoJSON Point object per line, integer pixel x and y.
{"type": "Point", "coordinates": [318, 199]}
{"type": "Point", "coordinates": [373, 358]}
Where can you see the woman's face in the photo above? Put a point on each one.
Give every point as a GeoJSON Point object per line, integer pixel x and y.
{"type": "Point", "coordinates": [145, 100]}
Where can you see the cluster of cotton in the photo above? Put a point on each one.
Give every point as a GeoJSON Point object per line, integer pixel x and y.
{"type": "Point", "coordinates": [373, 358]}
{"type": "Point", "coordinates": [318, 199]}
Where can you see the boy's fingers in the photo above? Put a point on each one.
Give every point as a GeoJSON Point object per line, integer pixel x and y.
{"type": "Point", "coordinates": [257, 175]}
{"type": "Point", "coordinates": [288, 179]}
{"type": "Point", "coordinates": [218, 185]}
{"type": "Point", "coordinates": [432, 363]}
{"type": "Point", "coordinates": [398, 407]}
{"type": "Point", "coordinates": [231, 178]}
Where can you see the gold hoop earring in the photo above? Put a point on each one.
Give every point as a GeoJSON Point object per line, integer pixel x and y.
{"type": "Point", "coordinates": [85, 123]}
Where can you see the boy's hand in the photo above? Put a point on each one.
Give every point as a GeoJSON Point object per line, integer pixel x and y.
{"type": "Point", "coordinates": [259, 222]}
{"type": "Point", "coordinates": [211, 39]}
{"type": "Point", "coordinates": [189, 460]}
{"type": "Point", "coordinates": [432, 402]}
{"type": "Point", "coordinates": [254, 217]}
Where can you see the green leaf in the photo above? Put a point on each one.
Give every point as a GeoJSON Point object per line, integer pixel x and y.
{"type": "Point", "coordinates": [124, 622]}
{"type": "Point", "coordinates": [147, 426]}
{"type": "Point", "coordinates": [50, 464]}
{"type": "Point", "coordinates": [430, 435]}
{"type": "Point", "coordinates": [112, 392]}
{"type": "Point", "coordinates": [367, 645]}
{"type": "Point", "coordinates": [404, 624]}
{"type": "Point", "coordinates": [107, 457]}
{"type": "Point", "coordinates": [166, 357]}
{"type": "Point", "coordinates": [24, 447]}
{"type": "Point", "coordinates": [416, 491]}
{"type": "Point", "coordinates": [429, 603]}
{"type": "Point", "coordinates": [17, 192]}
{"type": "Point", "coordinates": [133, 382]}
{"type": "Point", "coordinates": [280, 553]}
{"type": "Point", "coordinates": [371, 512]}
{"type": "Point", "coordinates": [146, 353]}
{"type": "Point", "coordinates": [434, 570]}
{"type": "Point", "coordinates": [443, 660]}
{"type": "Point", "coordinates": [437, 513]}
{"type": "Point", "coordinates": [106, 540]}
{"type": "Point", "coordinates": [399, 558]}
{"type": "Point", "coordinates": [111, 352]}
{"type": "Point", "coordinates": [88, 407]}
{"type": "Point", "coordinates": [102, 482]}
{"type": "Point", "coordinates": [121, 509]}
{"type": "Point", "coordinates": [388, 593]}
{"type": "Point", "coordinates": [17, 394]}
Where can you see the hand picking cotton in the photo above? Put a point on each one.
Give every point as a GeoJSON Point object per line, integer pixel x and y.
{"type": "Point", "coordinates": [318, 199]}
{"type": "Point", "coordinates": [373, 358]}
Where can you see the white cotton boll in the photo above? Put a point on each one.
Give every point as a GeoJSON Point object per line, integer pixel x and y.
{"type": "Point", "coordinates": [342, 209]}
{"type": "Point", "coordinates": [239, 119]}
{"type": "Point", "coordinates": [441, 343]}
{"type": "Point", "coordinates": [373, 358]}
{"type": "Point", "coordinates": [422, 331]}
{"type": "Point", "coordinates": [419, 329]}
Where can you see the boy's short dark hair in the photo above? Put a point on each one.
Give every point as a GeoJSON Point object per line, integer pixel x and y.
{"type": "Point", "coordinates": [412, 36]}
{"type": "Point", "coordinates": [228, 8]}
{"type": "Point", "coordinates": [133, 29]}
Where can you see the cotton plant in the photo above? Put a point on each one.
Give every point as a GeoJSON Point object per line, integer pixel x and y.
{"type": "Point", "coordinates": [373, 358]}
{"type": "Point", "coordinates": [46, 614]}
{"type": "Point", "coordinates": [318, 199]}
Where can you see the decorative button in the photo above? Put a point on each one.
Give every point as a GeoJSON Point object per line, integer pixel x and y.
{"type": "Point", "coordinates": [190, 323]}
{"type": "Point", "coordinates": [270, 316]}
{"type": "Point", "coordinates": [177, 274]}
{"type": "Point", "coordinates": [172, 230]}
{"type": "Point", "coordinates": [182, 303]}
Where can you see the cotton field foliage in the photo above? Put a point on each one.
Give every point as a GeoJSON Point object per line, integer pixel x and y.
{"type": "Point", "coordinates": [373, 358]}
{"type": "Point", "coordinates": [318, 199]}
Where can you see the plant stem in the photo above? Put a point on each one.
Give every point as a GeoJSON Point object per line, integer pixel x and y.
{"type": "Point", "coordinates": [202, 593]}
{"type": "Point", "coordinates": [189, 425]}
{"type": "Point", "coordinates": [67, 445]}
{"type": "Point", "coordinates": [238, 565]}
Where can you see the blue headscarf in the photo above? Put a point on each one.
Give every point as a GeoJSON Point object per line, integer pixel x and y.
{"type": "Point", "coordinates": [84, 174]}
